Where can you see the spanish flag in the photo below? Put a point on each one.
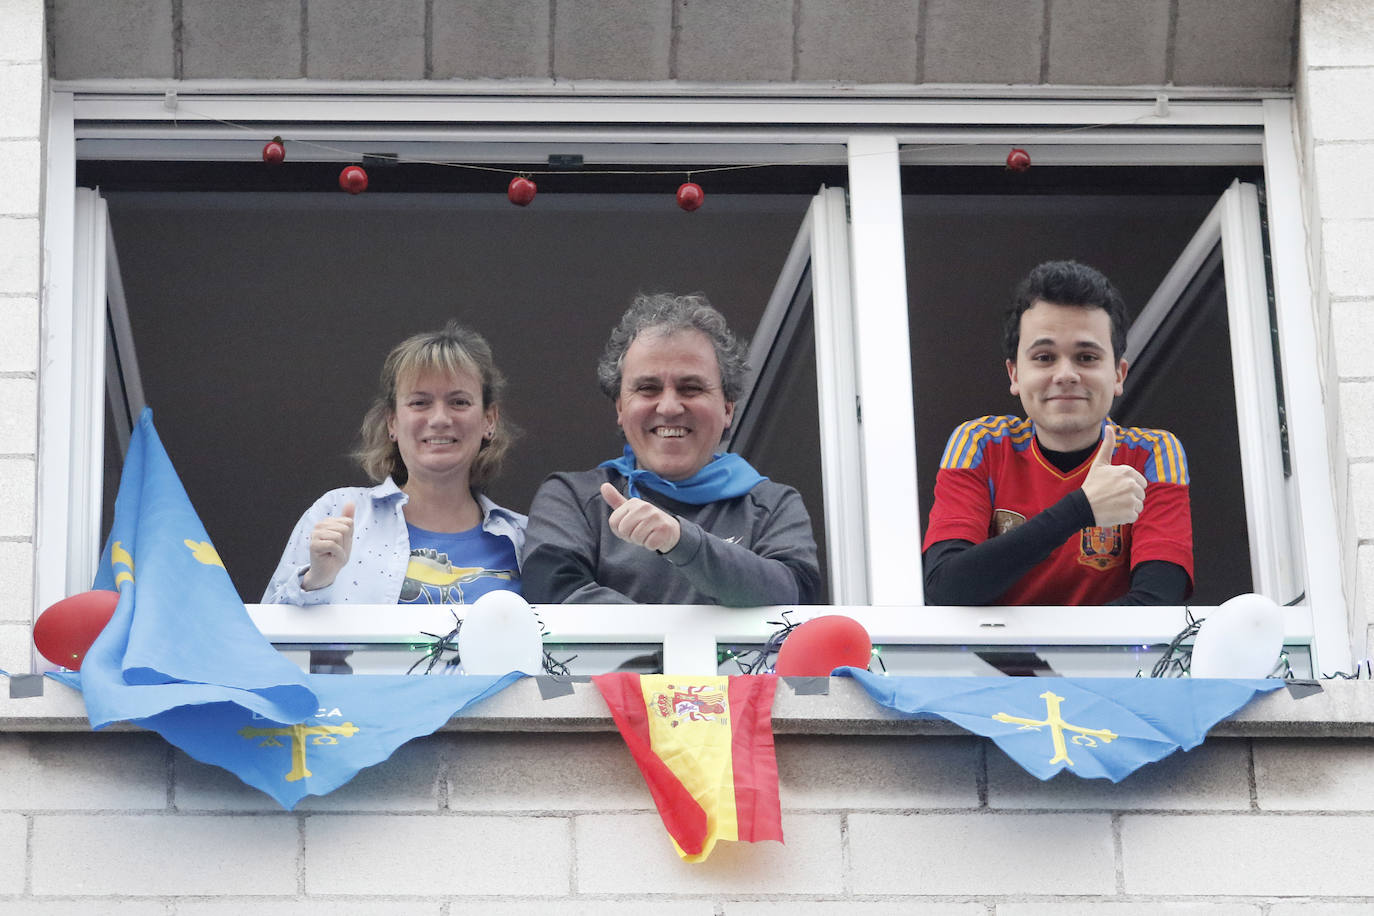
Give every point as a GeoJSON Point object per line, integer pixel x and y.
{"type": "Point", "coordinates": [705, 747]}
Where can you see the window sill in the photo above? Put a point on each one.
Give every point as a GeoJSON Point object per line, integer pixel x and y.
{"type": "Point", "coordinates": [1344, 709]}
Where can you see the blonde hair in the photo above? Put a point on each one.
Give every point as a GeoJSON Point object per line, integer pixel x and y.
{"type": "Point", "coordinates": [453, 349]}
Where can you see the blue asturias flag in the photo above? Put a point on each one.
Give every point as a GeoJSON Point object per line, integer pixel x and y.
{"type": "Point", "coordinates": [360, 721]}
{"type": "Point", "coordinates": [1094, 727]}
{"type": "Point", "coordinates": [181, 656]}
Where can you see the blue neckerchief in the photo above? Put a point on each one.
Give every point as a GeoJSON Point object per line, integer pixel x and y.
{"type": "Point", "coordinates": [725, 476]}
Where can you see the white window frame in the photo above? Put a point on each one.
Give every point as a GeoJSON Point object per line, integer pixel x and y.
{"type": "Point", "coordinates": [878, 135]}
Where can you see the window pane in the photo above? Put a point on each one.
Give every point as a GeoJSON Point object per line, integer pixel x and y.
{"type": "Point", "coordinates": [967, 251]}
{"type": "Point", "coordinates": [261, 321]}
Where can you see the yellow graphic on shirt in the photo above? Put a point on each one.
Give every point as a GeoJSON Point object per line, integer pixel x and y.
{"type": "Point", "coordinates": [432, 579]}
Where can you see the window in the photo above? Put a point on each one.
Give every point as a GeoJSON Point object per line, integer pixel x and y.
{"type": "Point", "coordinates": [829, 299]}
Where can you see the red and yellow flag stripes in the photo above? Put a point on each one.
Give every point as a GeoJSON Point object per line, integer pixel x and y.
{"type": "Point", "coordinates": [705, 747]}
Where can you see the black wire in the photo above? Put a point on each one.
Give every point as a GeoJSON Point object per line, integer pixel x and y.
{"type": "Point", "coordinates": [442, 644]}
{"type": "Point", "coordinates": [1361, 666]}
{"type": "Point", "coordinates": [556, 666]}
{"type": "Point", "coordinates": [1178, 659]}
{"type": "Point", "coordinates": [761, 661]}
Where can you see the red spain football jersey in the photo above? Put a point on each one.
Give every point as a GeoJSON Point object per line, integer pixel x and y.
{"type": "Point", "coordinates": [993, 477]}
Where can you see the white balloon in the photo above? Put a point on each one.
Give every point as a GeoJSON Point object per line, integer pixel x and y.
{"type": "Point", "coordinates": [500, 634]}
{"type": "Point", "coordinates": [1241, 638]}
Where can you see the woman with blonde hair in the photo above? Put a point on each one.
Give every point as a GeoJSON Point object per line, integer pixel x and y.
{"type": "Point", "coordinates": [425, 534]}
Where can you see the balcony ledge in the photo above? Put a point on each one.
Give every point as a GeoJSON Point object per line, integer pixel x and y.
{"type": "Point", "coordinates": [1343, 709]}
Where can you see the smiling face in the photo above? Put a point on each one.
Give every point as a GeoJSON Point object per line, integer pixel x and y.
{"type": "Point", "coordinates": [439, 424]}
{"type": "Point", "coordinates": [671, 406]}
{"type": "Point", "coordinates": [1065, 373]}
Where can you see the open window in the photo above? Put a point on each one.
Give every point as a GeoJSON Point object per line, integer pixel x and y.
{"type": "Point", "coordinates": [261, 321]}
{"type": "Point", "coordinates": [861, 265]}
{"type": "Point", "coordinates": [1186, 241]}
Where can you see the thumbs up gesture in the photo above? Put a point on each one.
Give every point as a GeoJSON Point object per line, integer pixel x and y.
{"type": "Point", "coordinates": [639, 522]}
{"type": "Point", "coordinates": [330, 543]}
{"type": "Point", "coordinates": [1116, 492]}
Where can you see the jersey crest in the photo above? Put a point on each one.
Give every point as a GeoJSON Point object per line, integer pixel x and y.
{"type": "Point", "coordinates": [1100, 548]}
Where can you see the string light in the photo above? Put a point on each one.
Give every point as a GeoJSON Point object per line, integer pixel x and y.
{"type": "Point", "coordinates": [761, 660]}
{"type": "Point", "coordinates": [1177, 658]}
{"type": "Point", "coordinates": [445, 649]}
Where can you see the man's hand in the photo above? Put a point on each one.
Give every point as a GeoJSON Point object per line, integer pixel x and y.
{"type": "Point", "coordinates": [330, 544]}
{"type": "Point", "coordinates": [1115, 492]}
{"type": "Point", "coordinates": [639, 522]}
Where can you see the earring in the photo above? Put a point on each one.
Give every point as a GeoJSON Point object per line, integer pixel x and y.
{"type": "Point", "coordinates": [393, 436]}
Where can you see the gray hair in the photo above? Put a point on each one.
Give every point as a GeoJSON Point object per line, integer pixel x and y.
{"type": "Point", "coordinates": [664, 313]}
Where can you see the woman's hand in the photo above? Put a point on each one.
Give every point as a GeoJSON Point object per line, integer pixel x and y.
{"type": "Point", "coordinates": [639, 522]}
{"type": "Point", "coordinates": [330, 544]}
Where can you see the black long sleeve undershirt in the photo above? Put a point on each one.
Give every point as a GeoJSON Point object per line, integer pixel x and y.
{"type": "Point", "coordinates": [963, 573]}
{"type": "Point", "coordinates": [959, 572]}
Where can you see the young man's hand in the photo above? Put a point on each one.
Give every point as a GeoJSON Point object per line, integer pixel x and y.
{"type": "Point", "coordinates": [1116, 492]}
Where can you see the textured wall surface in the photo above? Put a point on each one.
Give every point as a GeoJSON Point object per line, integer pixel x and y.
{"type": "Point", "coordinates": [467, 823]}
{"type": "Point", "coordinates": [1335, 91]}
{"type": "Point", "coordinates": [21, 152]}
{"type": "Point", "coordinates": [1241, 43]}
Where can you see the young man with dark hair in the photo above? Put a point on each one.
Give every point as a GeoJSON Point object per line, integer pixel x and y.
{"type": "Point", "coordinates": [1062, 507]}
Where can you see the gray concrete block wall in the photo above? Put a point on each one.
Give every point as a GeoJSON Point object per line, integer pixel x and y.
{"type": "Point", "coordinates": [492, 39]}
{"type": "Point", "coordinates": [1234, 42]}
{"type": "Point", "coordinates": [866, 41]}
{"type": "Point", "coordinates": [997, 42]}
{"type": "Point", "coordinates": [349, 40]}
{"type": "Point", "coordinates": [720, 40]}
{"type": "Point", "coordinates": [1125, 42]}
{"type": "Point", "coordinates": [258, 38]}
{"type": "Point", "coordinates": [127, 38]}
{"type": "Point", "coordinates": [923, 825]}
{"type": "Point", "coordinates": [613, 39]}
{"type": "Point", "coordinates": [983, 41]}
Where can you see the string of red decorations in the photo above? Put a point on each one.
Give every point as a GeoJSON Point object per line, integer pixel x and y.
{"type": "Point", "coordinates": [689, 195]}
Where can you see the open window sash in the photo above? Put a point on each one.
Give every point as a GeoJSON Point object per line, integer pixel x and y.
{"type": "Point", "coordinates": [1229, 242]}
{"type": "Point", "coordinates": [813, 293]}
{"type": "Point", "coordinates": [99, 348]}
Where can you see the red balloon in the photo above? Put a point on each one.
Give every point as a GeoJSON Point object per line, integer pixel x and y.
{"type": "Point", "coordinates": [65, 631]}
{"type": "Point", "coordinates": [822, 644]}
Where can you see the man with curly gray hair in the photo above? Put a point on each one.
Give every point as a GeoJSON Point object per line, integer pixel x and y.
{"type": "Point", "coordinates": [671, 521]}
